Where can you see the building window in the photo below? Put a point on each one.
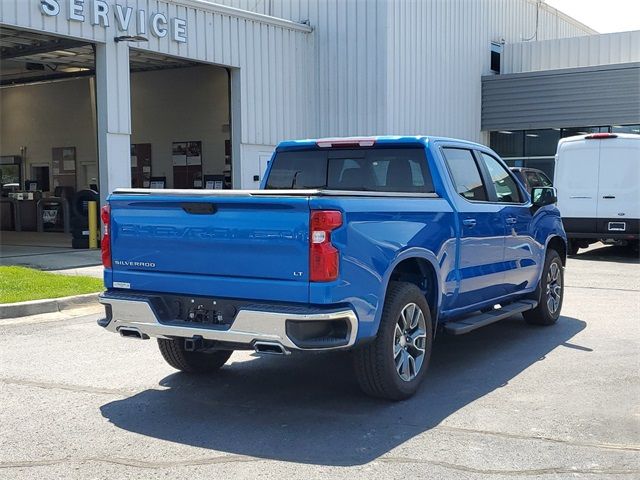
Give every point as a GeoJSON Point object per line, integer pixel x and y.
{"type": "Point", "coordinates": [496, 53]}
{"type": "Point", "coordinates": [625, 129]}
{"type": "Point", "coordinates": [572, 132]}
{"type": "Point", "coordinates": [508, 143]}
{"type": "Point", "coordinates": [541, 143]}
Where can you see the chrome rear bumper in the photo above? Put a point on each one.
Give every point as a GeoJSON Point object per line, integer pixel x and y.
{"type": "Point", "coordinates": [249, 326]}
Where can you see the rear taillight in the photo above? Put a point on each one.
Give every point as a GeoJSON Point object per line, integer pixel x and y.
{"type": "Point", "coordinates": [105, 215]}
{"type": "Point", "coordinates": [323, 256]}
{"type": "Point", "coordinates": [346, 142]}
{"type": "Point", "coordinates": [600, 136]}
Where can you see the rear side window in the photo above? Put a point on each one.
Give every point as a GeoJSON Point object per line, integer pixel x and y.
{"type": "Point", "coordinates": [504, 184]}
{"type": "Point", "coordinates": [373, 169]}
{"type": "Point", "coordinates": [465, 173]}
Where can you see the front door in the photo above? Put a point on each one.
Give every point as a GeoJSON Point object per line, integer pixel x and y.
{"type": "Point", "coordinates": [522, 257]}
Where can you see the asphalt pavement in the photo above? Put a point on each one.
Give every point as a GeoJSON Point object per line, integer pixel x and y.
{"type": "Point", "coordinates": [509, 400]}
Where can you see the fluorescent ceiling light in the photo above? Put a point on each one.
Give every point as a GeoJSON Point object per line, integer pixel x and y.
{"type": "Point", "coordinates": [505, 132]}
{"type": "Point", "coordinates": [533, 135]}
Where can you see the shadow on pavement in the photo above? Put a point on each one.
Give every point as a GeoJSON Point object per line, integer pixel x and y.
{"type": "Point", "coordinates": [308, 409]}
{"type": "Point", "coordinates": [609, 253]}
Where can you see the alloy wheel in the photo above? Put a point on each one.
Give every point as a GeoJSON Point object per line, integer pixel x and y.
{"type": "Point", "coordinates": [554, 288]}
{"type": "Point", "coordinates": [409, 342]}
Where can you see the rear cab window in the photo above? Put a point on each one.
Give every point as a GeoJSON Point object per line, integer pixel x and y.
{"type": "Point", "coordinates": [378, 169]}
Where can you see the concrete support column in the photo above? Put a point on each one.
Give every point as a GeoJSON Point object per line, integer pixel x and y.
{"type": "Point", "coordinates": [113, 101]}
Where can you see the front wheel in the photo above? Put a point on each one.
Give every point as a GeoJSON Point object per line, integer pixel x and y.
{"type": "Point", "coordinates": [174, 353]}
{"type": "Point", "coordinates": [393, 365]}
{"type": "Point", "coordinates": [550, 292]}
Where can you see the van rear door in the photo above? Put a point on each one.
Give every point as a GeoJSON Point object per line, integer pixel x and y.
{"type": "Point", "coordinates": [576, 179]}
{"type": "Point", "coordinates": [619, 179]}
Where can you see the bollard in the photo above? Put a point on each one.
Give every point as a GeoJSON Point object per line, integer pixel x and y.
{"type": "Point", "coordinates": [93, 224]}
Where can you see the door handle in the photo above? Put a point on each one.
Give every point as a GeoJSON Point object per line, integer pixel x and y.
{"type": "Point", "coordinates": [609, 196]}
{"type": "Point", "coordinates": [469, 222]}
{"type": "Point", "coordinates": [511, 220]}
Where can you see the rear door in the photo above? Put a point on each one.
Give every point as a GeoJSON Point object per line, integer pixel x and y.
{"type": "Point", "coordinates": [482, 231]}
{"type": "Point", "coordinates": [244, 246]}
{"type": "Point", "coordinates": [618, 185]}
{"type": "Point", "coordinates": [576, 180]}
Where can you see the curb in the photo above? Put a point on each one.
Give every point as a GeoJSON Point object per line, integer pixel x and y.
{"type": "Point", "coordinates": [47, 305]}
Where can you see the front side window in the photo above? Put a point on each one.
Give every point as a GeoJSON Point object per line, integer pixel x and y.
{"type": "Point", "coordinates": [465, 173]}
{"type": "Point", "coordinates": [504, 184]}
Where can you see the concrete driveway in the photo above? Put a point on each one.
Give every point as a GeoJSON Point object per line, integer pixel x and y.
{"type": "Point", "coordinates": [510, 400]}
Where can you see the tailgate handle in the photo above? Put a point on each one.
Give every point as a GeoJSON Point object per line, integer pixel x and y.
{"type": "Point", "coordinates": [609, 196]}
{"type": "Point", "coordinates": [199, 208]}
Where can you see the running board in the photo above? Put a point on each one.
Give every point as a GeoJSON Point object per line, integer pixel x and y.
{"type": "Point", "coordinates": [471, 322]}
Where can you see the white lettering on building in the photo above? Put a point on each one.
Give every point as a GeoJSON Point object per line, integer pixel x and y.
{"type": "Point", "coordinates": [99, 10]}
{"type": "Point", "coordinates": [123, 17]}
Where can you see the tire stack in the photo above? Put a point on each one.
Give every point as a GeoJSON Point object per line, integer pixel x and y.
{"type": "Point", "coordinates": [80, 217]}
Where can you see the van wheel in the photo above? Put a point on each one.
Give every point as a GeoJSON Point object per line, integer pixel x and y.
{"type": "Point", "coordinates": [393, 365]}
{"type": "Point", "coordinates": [550, 292]}
{"type": "Point", "coordinates": [573, 248]}
{"type": "Point", "coordinates": [173, 352]}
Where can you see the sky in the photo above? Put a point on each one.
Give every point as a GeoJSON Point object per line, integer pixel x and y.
{"type": "Point", "coordinates": [602, 15]}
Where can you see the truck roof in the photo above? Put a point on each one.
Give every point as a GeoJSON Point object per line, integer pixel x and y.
{"type": "Point", "coordinates": [367, 141]}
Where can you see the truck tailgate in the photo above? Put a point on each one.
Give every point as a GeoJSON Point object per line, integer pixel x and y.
{"type": "Point", "coordinates": [250, 247]}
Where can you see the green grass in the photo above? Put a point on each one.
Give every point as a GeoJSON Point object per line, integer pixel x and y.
{"type": "Point", "coordinates": [19, 284]}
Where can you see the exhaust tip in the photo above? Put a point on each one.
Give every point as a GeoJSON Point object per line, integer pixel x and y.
{"type": "Point", "coordinates": [270, 348]}
{"type": "Point", "coordinates": [132, 333]}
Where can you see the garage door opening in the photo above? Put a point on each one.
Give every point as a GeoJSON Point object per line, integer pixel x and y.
{"type": "Point", "coordinates": [48, 139]}
{"type": "Point", "coordinates": [181, 127]}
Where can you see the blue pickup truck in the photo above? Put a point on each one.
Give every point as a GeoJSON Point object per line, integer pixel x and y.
{"type": "Point", "coordinates": [370, 244]}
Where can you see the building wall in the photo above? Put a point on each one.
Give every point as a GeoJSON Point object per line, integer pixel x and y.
{"type": "Point", "coordinates": [409, 66]}
{"type": "Point", "coordinates": [45, 116]}
{"type": "Point", "coordinates": [361, 67]}
{"type": "Point", "coordinates": [585, 51]}
{"type": "Point", "coordinates": [274, 56]}
{"type": "Point", "coordinates": [587, 96]}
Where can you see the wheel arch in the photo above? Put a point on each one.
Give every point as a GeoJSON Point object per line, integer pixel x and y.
{"type": "Point", "coordinates": [558, 244]}
{"type": "Point", "coordinates": [419, 267]}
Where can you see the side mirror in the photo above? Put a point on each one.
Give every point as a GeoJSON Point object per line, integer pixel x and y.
{"type": "Point", "coordinates": [542, 196]}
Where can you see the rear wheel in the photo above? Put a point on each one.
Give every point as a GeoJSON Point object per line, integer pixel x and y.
{"type": "Point", "coordinates": [393, 365]}
{"type": "Point", "coordinates": [550, 292]}
{"type": "Point", "coordinates": [174, 353]}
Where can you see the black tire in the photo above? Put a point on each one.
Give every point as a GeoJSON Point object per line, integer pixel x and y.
{"type": "Point", "coordinates": [573, 248]}
{"type": "Point", "coordinates": [375, 362]}
{"type": "Point", "coordinates": [193, 362]}
{"type": "Point", "coordinates": [80, 243]}
{"type": "Point", "coordinates": [543, 313]}
{"type": "Point", "coordinates": [79, 202]}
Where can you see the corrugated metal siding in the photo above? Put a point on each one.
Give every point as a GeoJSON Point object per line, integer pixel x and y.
{"type": "Point", "coordinates": [562, 98]}
{"type": "Point", "coordinates": [408, 66]}
{"type": "Point", "coordinates": [369, 66]}
{"type": "Point", "coordinates": [349, 60]}
{"type": "Point", "coordinates": [275, 57]}
{"type": "Point", "coordinates": [587, 51]}
{"type": "Point", "coordinates": [438, 51]}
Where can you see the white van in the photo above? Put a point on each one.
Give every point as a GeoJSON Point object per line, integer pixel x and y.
{"type": "Point", "coordinates": [597, 177]}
